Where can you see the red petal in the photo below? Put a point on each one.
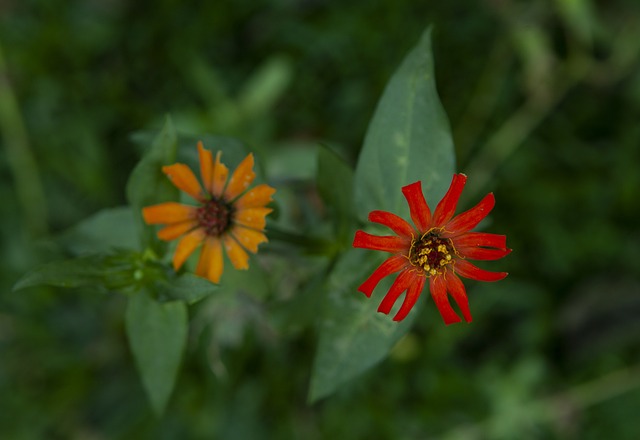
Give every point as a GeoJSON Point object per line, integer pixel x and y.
{"type": "Point", "coordinates": [480, 239]}
{"type": "Point", "coordinates": [420, 212]}
{"type": "Point", "coordinates": [393, 222]}
{"type": "Point", "coordinates": [469, 219]}
{"type": "Point", "coordinates": [438, 288]}
{"type": "Point", "coordinates": [447, 206]}
{"type": "Point", "coordinates": [386, 243]}
{"type": "Point", "coordinates": [389, 266]}
{"type": "Point", "coordinates": [468, 270]}
{"type": "Point", "coordinates": [457, 290]}
{"type": "Point", "coordinates": [413, 293]}
{"type": "Point", "coordinates": [402, 282]}
{"type": "Point", "coordinates": [478, 253]}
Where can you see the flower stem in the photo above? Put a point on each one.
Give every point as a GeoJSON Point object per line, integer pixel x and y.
{"type": "Point", "coordinates": [311, 245]}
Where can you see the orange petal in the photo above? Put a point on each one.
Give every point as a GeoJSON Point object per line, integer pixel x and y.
{"type": "Point", "coordinates": [240, 179]}
{"type": "Point", "coordinates": [220, 174]}
{"type": "Point", "coordinates": [256, 197]}
{"type": "Point", "coordinates": [239, 258]}
{"type": "Point", "coordinates": [206, 166]}
{"type": "Point", "coordinates": [175, 230]}
{"type": "Point", "coordinates": [183, 178]}
{"type": "Point", "coordinates": [186, 246]}
{"type": "Point", "coordinates": [252, 217]}
{"type": "Point", "coordinates": [248, 238]}
{"type": "Point", "coordinates": [210, 264]}
{"type": "Point", "coordinates": [169, 212]}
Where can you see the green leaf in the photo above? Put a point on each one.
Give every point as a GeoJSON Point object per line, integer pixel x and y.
{"type": "Point", "coordinates": [353, 335]}
{"type": "Point", "coordinates": [186, 287]}
{"type": "Point", "coordinates": [147, 184]}
{"type": "Point", "coordinates": [120, 270]}
{"type": "Point", "coordinates": [580, 17]}
{"type": "Point", "coordinates": [253, 282]}
{"type": "Point", "coordinates": [335, 183]}
{"type": "Point", "coordinates": [264, 88]}
{"type": "Point", "coordinates": [408, 139]}
{"type": "Point", "coordinates": [77, 272]}
{"type": "Point", "coordinates": [102, 232]}
{"type": "Point", "coordinates": [293, 161]}
{"type": "Point", "coordinates": [157, 335]}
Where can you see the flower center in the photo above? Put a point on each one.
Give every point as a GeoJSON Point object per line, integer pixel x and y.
{"type": "Point", "coordinates": [214, 217]}
{"type": "Point", "coordinates": [432, 253]}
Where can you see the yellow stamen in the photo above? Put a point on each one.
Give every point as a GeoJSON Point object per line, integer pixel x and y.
{"type": "Point", "coordinates": [431, 253]}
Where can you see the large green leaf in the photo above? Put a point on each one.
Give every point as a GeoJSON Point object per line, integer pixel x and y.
{"type": "Point", "coordinates": [335, 185]}
{"type": "Point", "coordinates": [353, 335]}
{"type": "Point", "coordinates": [147, 184]}
{"type": "Point", "coordinates": [408, 139]}
{"type": "Point", "coordinates": [157, 335]}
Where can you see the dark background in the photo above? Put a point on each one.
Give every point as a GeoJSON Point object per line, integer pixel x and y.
{"type": "Point", "coordinates": [544, 103]}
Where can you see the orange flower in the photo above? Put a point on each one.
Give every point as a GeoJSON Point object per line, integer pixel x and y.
{"type": "Point", "coordinates": [228, 215]}
{"type": "Point", "coordinates": [438, 249]}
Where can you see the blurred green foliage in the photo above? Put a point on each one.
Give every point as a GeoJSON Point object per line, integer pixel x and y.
{"type": "Point", "coordinates": [543, 98]}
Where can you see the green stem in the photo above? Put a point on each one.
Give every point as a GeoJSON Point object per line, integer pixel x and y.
{"type": "Point", "coordinates": [20, 157]}
{"type": "Point", "coordinates": [311, 245]}
{"type": "Point", "coordinates": [512, 134]}
{"type": "Point", "coordinates": [580, 67]}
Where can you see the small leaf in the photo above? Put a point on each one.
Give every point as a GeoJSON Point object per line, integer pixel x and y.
{"type": "Point", "coordinates": [353, 335]}
{"type": "Point", "coordinates": [102, 232]}
{"type": "Point", "coordinates": [408, 139]}
{"type": "Point", "coordinates": [77, 272]}
{"type": "Point", "coordinates": [263, 89]}
{"type": "Point", "coordinates": [580, 18]}
{"type": "Point", "coordinates": [335, 183]}
{"type": "Point", "coordinates": [186, 287]}
{"type": "Point", "coordinates": [120, 270]}
{"type": "Point", "coordinates": [147, 184]}
{"type": "Point", "coordinates": [157, 335]}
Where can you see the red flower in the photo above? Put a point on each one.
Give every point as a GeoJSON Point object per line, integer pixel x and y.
{"type": "Point", "coordinates": [437, 249]}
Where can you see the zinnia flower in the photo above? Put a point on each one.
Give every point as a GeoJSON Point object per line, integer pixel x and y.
{"type": "Point", "coordinates": [227, 215]}
{"type": "Point", "coordinates": [437, 249]}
